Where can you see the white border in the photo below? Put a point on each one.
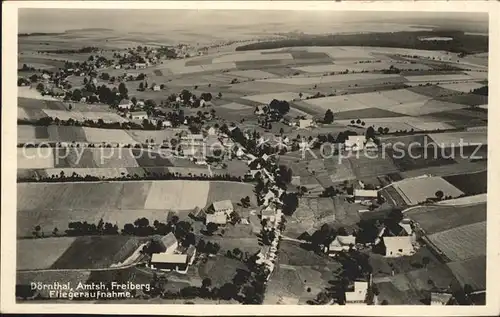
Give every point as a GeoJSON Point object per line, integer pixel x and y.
{"type": "Point", "coordinates": [9, 136]}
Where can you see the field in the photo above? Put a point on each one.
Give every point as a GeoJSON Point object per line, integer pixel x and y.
{"type": "Point", "coordinates": [96, 252]}
{"type": "Point", "coordinates": [438, 78]}
{"type": "Point", "coordinates": [220, 269]}
{"type": "Point", "coordinates": [360, 67]}
{"type": "Point", "coordinates": [471, 271]}
{"type": "Point", "coordinates": [434, 219]}
{"type": "Point", "coordinates": [304, 81]}
{"type": "Point", "coordinates": [267, 98]}
{"type": "Point", "coordinates": [470, 184]}
{"type": "Point", "coordinates": [82, 116]}
{"type": "Point", "coordinates": [35, 254]}
{"type": "Point", "coordinates": [455, 139]}
{"type": "Point", "coordinates": [55, 204]}
{"type": "Point", "coordinates": [417, 190]}
{"type": "Point", "coordinates": [462, 87]}
{"type": "Point", "coordinates": [401, 123]}
{"type": "Point", "coordinates": [461, 243]}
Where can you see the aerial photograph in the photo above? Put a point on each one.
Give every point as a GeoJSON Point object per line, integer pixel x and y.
{"type": "Point", "coordinates": [251, 157]}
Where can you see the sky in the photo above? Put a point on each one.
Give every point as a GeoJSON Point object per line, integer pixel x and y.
{"type": "Point", "coordinates": [313, 22]}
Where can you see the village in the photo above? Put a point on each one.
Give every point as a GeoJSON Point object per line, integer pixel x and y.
{"type": "Point", "coordinates": [235, 174]}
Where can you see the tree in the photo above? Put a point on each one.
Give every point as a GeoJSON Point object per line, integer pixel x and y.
{"type": "Point", "coordinates": [55, 231]}
{"type": "Point", "coordinates": [370, 133]}
{"type": "Point", "coordinates": [228, 291]}
{"type": "Point", "coordinates": [211, 228]}
{"type": "Point", "coordinates": [206, 283]}
{"type": "Point", "coordinates": [134, 100]}
{"type": "Point", "coordinates": [141, 86]}
{"type": "Point", "coordinates": [386, 130]}
{"type": "Point", "coordinates": [425, 261]}
{"type": "Point", "coordinates": [70, 107]}
{"type": "Point", "coordinates": [328, 116]}
{"type": "Point", "coordinates": [122, 89]}
{"type": "Point", "coordinates": [40, 87]}
{"type": "Point", "coordinates": [380, 130]}
{"type": "Point", "coordinates": [439, 194]}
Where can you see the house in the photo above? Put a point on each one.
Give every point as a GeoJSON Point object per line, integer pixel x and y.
{"type": "Point", "coordinates": [219, 218]}
{"type": "Point", "coordinates": [140, 103]}
{"type": "Point", "coordinates": [198, 213]}
{"type": "Point", "coordinates": [138, 115]}
{"type": "Point", "coordinates": [355, 143]}
{"type": "Point", "coordinates": [191, 254]}
{"type": "Point", "coordinates": [169, 243]}
{"type": "Point", "coordinates": [370, 145]}
{"type": "Point", "coordinates": [260, 110]}
{"type": "Point", "coordinates": [304, 123]}
{"type": "Point", "coordinates": [125, 104]}
{"type": "Point", "coordinates": [192, 139]}
{"type": "Point", "coordinates": [168, 261]}
{"type": "Point", "coordinates": [140, 65]}
{"type": "Point", "coordinates": [166, 124]}
{"type": "Point", "coordinates": [268, 213]}
{"type": "Point", "coordinates": [398, 246]}
{"type": "Point", "coordinates": [225, 206]}
{"type": "Point", "coordinates": [45, 76]}
{"type": "Point", "coordinates": [358, 295]}
{"type": "Point", "coordinates": [440, 298]}
{"type": "Point", "coordinates": [341, 243]}
{"type": "Point", "coordinates": [156, 88]}
{"type": "Point", "coordinates": [361, 195]}
{"type": "Point", "coordinates": [212, 131]}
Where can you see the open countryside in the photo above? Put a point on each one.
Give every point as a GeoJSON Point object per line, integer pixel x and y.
{"type": "Point", "coordinates": [241, 163]}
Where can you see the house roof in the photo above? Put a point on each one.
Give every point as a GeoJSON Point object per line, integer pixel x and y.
{"type": "Point", "coordinates": [268, 212]}
{"type": "Point", "coordinates": [222, 205]}
{"type": "Point", "coordinates": [169, 240]}
{"type": "Point", "coordinates": [125, 102]}
{"type": "Point", "coordinates": [398, 242]}
{"type": "Point", "coordinates": [359, 293]}
{"type": "Point", "coordinates": [343, 241]}
{"type": "Point", "coordinates": [366, 193]}
{"type": "Point", "coordinates": [443, 298]}
{"type": "Point", "coordinates": [190, 250]}
{"type": "Point", "coordinates": [169, 258]}
{"type": "Point", "coordinates": [193, 137]}
{"type": "Point", "coordinates": [139, 113]}
{"type": "Point", "coordinates": [219, 218]}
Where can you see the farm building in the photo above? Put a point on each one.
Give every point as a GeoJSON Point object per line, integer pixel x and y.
{"type": "Point", "coordinates": [169, 243]}
{"type": "Point", "coordinates": [156, 88]}
{"type": "Point", "coordinates": [358, 295]}
{"type": "Point", "coordinates": [140, 65]}
{"type": "Point", "coordinates": [191, 254]}
{"type": "Point", "coordinates": [304, 123]}
{"type": "Point", "coordinates": [211, 131]}
{"type": "Point", "coordinates": [166, 124]}
{"type": "Point", "coordinates": [198, 213]}
{"type": "Point", "coordinates": [125, 104]}
{"type": "Point", "coordinates": [355, 143]}
{"type": "Point", "coordinates": [45, 76]}
{"type": "Point", "coordinates": [140, 103]}
{"type": "Point", "coordinates": [370, 145]}
{"type": "Point", "coordinates": [260, 110]}
{"type": "Point", "coordinates": [192, 139]}
{"type": "Point", "coordinates": [138, 115]}
{"type": "Point", "coordinates": [364, 195]}
{"type": "Point", "coordinates": [398, 246]}
{"type": "Point", "coordinates": [438, 298]}
{"type": "Point", "coordinates": [341, 243]}
{"type": "Point", "coordinates": [219, 218]}
{"type": "Point", "coordinates": [223, 206]}
{"type": "Point", "coordinates": [166, 261]}
{"type": "Point", "coordinates": [268, 213]}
